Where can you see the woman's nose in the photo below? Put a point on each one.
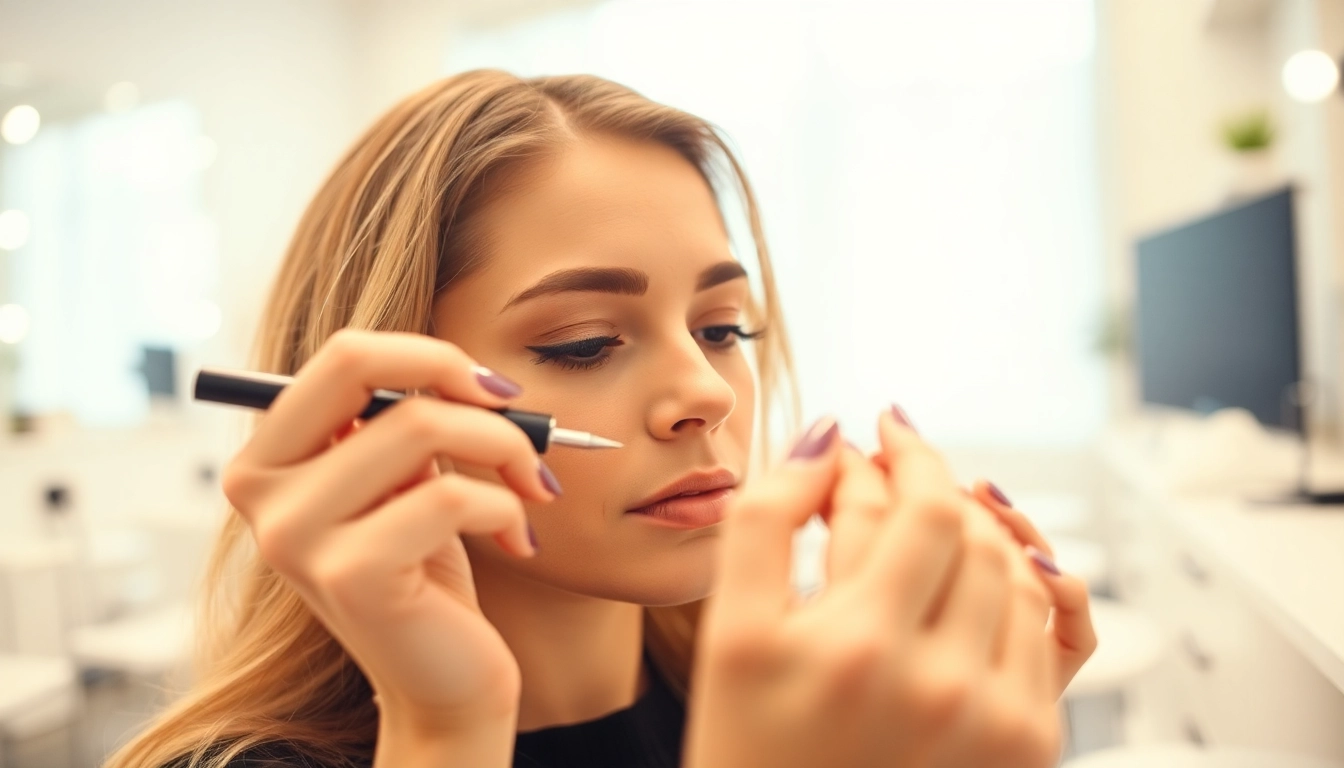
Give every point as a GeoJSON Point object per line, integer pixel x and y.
{"type": "Point", "coordinates": [693, 396]}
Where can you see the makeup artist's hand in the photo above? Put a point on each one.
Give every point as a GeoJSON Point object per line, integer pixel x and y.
{"type": "Point", "coordinates": [925, 650]}
{"type": "Point", "coordinates": [359, 521]}
{"type": "Point", "coordinates": [1070, 626]}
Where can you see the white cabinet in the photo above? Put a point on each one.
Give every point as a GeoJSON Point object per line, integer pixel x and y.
{"type": "Point", "coordinates": [1233, 675]}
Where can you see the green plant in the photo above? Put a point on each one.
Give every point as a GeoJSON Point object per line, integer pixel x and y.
{"type": "Point", "coordinates": [1114, 336]}
{"type": "Point", "coordinates": [1249, 132]}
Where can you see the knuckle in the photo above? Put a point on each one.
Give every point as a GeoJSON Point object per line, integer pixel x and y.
{"type": "Point", "coordinates": [1088, 643]}
{"type": "Point", "coordinates": [852, 660]}
{"type": "Point", "coordinates": [941, 700]}
{"type": "Point", "coordinates": [941, 513]}
{"type": "Point", "coordinates": [1046, 742]}
{"type": "Point", "coordinates": [344, 350]}
{"type": "Point", "coordinates": [452, 354]}
{"type": "Point", "coordinates": [1032, 737]}
{"type": "Point", "coordinates": [866, 507]}
{"type": "Point", "coordinates": [417, 420]}
{"type": "Point", "coordinates": [1031, 590]}
{"type": "Point", "coordinates": [987, 551]}
{"type": "Point", "coordinates": [277, 544]}
{"type": "Point", "coordinates": [739, 645]}
{"type": "Point", "coordinates": [238, 485]}
{"type": "Point", "coordinates": [449, 493]}
{"type": "Point", "coordinates": [336, 577]}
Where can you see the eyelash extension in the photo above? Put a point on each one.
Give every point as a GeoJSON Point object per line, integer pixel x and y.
{"type": "Point", "coordinates": [735, 330]}
{"type": "Point", "coordinates": [587, 354]}
{"type": "Point", "coordinates": [577, 355]}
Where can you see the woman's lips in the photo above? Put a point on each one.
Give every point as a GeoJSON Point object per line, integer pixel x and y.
{"type": "Point", "coordinates": [694, 511]}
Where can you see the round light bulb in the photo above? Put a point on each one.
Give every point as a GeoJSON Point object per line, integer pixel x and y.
{"type": "Point", "coordinates": [14, 323]}
{"type": "Point", "coordinates": [13, 230]}
{"type": "Point", "coordinates": [1310, 76]}
{"type": "Point", "coordinates": [20, 124]}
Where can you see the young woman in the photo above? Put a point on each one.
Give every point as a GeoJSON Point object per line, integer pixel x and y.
{"type": "Point", "coordinates": [418, 590]}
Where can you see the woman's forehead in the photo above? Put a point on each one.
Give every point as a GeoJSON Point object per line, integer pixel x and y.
{"type": "Point", "coordinates": [604, 202]}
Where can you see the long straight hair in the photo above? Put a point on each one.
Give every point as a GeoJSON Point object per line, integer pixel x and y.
{"type": "Point", "coordinates": [387, 232]}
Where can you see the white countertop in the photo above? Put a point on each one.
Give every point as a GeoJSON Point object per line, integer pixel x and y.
{"type": "Point", "coordinates": [1288, 559]}
{"type": "Point", "coordinates": [1291, 562]}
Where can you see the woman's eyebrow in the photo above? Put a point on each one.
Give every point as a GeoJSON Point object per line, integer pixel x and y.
{"type": "Point", "coordinates": [621, 280]}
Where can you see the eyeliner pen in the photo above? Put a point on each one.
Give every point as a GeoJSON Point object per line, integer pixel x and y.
{"type": "Point", "coordinates": [258, 390]}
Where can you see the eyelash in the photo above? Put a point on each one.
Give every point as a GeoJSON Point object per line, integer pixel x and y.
{"type": "Point", "coordinates": [585, 354]}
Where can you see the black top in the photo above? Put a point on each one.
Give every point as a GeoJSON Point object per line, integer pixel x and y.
{"type": "Point", "coordinates": [646, 734]}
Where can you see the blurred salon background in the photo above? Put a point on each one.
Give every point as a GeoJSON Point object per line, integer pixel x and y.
{"type": "Point", "coordinates": [1095, 248]}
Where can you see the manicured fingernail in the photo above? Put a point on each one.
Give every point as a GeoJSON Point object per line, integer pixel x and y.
{"type": "Point", "coordinates": [1042, 560]}
{"type": "Point", "coordinates": [496, 384]}
{"type": "Point", "coordinates": [998, 494]}
{"type": "Point", "coordinates": [548, 479]}
{"type": "Point", "coordinates": [816, 439]}
{"type": "Point", "coordinates": [901, 417]}
{"type": "Point", "coordinates": [532, 537]}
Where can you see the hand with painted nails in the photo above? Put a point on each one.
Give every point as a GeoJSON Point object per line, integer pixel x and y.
{"type": "Point", "coordinates": [1070, 626]}
{"type": "Point", "coordinates": [926, 647]}
{"type": "Point", "coordinates": [361, 523]}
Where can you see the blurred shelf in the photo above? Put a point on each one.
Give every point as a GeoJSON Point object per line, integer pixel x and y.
{"type": "Point", "coordinates": [1234, 15]}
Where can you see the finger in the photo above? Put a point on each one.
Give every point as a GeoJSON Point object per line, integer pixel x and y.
{"type": "Point", "coordinates": [756, 555]}
{"type": "Point", "coordinates": [1071, 620]}
{"type": "Point", "coordinates": [336, 385]}
{"type": "Point", "coordinates": [345, 431]}
{"type": "Point", "coordinates": [1027, 662]}
{"type": "Point", "coordinates": [394, 449]}
{"type": "Point", "coordinates": [858, 506]}
{"type": "Point", "coordinates": [918, 545]}
{"type": "Point", "coordinates": [914, 469]}
{"type": "Point", "coordinates": [421, 521]}
{"type": "Point", "coordinates": [972, 617]}
{"type": "Point", "coordinates": [1018, 523]}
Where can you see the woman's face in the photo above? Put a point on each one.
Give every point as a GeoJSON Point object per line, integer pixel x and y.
{"type": "Point", "coordinates": [610, 294]}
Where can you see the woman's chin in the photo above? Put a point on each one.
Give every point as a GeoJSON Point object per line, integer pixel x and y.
{"type": "Point", "coordinates": [658, 585]}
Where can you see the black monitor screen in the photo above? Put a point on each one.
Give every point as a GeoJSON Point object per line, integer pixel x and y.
{"type": "Point", "coordinates": [160, 370]}
{"type": "Point", "coordinates": [1217, 322]}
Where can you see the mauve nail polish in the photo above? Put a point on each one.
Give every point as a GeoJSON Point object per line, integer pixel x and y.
{"type": "Point", "coordinates": [1042, 560]}
{"type": "Point", "coordinates": [532, 537]}
{"type": "Point", "coordinates": [496, 384]}
{"type": "Point", "coordinates": [548, 478]}
{"type": "Point", "coordinates": [998, 494]}
{"type": "Point", "coordinates": [902, 417]}
{"type": "Point", "coordinates": [816, 439]}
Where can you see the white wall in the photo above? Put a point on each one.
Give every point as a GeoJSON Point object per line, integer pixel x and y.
{"type": "Point", "coordinates": [272, 82]}
{"type": "Point", "coordinates": [282, 88]}
{"type": "Point", "coordinates": [1168, 81]}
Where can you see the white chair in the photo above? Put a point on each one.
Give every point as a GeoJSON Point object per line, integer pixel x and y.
{"type": "Point", "coordinates": [1184, 756]}
{"type": "Point", "coordinates": [39, 687]}
{"type": "Point", "coordinates": [149, 644]}
{"type": "Point", "coordinates": [38, 695]}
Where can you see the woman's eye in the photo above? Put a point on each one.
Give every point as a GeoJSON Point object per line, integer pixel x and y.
{"type": "Point", "coordinates": [723, 336]}
{"type": "Point", "coordinates": [577, 355]}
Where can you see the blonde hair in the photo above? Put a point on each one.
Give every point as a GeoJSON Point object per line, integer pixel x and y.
{"type": "Point", "coordinates": [388, 230]}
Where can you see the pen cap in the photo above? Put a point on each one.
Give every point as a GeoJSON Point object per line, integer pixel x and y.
{"type": "Point", "coordinates": [536, 425]}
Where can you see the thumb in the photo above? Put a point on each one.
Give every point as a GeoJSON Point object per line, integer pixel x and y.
{"type": "Point", "coordinates": [756, 556]}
